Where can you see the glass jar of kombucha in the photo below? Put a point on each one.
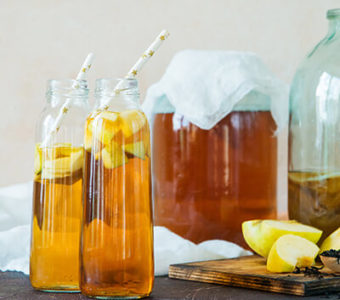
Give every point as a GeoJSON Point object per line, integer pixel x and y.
{"type": "Point", "coordinates": [117, 232]}
{"type": "Point", "coordinates": [314, 144]}
{"type": "Point", "coordinates": [207, 182]}
{"type": "Point", "coordinates": [57, 192]}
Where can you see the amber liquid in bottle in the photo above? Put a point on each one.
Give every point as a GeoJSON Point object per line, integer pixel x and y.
{"type": "Point", "coordinates": [117, 239]}
{"type": "Point", "coordinates": [207, 182]}
{"type": "Point", "coordinates": [314, 199]}
{"type": "Point", "coordinates": [57, 210]}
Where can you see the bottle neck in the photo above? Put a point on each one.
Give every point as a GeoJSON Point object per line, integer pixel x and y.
{"type": "Point", "coordinates": [333, 17]}
{"type": "Point", "coordinates": [73, 91]}
{"type": "Point", "coordinates": [59, 99]}
{"type": "Point", "coordinates": [117, 94]}
{"type": "Point", "coordinates": [117, 102]}
{"type": "Point", "coordinates": [334, 25]}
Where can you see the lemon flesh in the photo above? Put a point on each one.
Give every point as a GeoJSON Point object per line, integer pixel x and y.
{"type": "Point", "coordinates": [131, 122]}
{"type": "Point", "coordinates": [290, 251]}
{"type": "Point", "coordinates": [331, 242]}
{"type": "Point", "coordinates": [63, 166]}
{"type": "Point", "coordinates": [260, 235]}
{"type": "Point", "coordinates": [105, 127]}
{"type": "Point", "coordinates": [113, 156]}
{"type": "Point", "coordinates": [137, 149]}
{"type": "Point", "coordinates": [37, 159]}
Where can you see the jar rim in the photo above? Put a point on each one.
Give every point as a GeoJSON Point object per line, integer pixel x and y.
{"type": "Point", "coordinates": [331, 13]}
{"type": "Point", "coordinates": [67, 84]}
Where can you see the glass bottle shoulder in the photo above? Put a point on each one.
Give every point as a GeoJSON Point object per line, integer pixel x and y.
{"type": "Point", "coordinates": [324, 58]}
{"type": "Point", "coordinates": [72, 124]}
{"type": "Point", "coordinates": [318, 75]}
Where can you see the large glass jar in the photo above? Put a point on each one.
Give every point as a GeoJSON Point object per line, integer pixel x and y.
{"type": "Point", "coordinates": [314, 143]}
{"type": "Point", "coordinates": [57, 192]}
{"type": "Point", "coordinates": [117, 234]}
{"type": "Point", "coordinates": [207, 182]}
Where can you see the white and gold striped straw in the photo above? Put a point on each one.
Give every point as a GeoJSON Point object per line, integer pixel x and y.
{"type": "Point", "coordinates": [66, 106]}
{"type": "Point", "coordinates": [134, 71]}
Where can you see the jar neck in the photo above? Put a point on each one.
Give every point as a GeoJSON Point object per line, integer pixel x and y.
{"type": "Point", "coordinates": [333, 17]}
{"type": "Point", "coordinates": [58, 100]}
{"type": "Point", "coordinates": [117, 102]}
{"type": "Point", "coordinates": [333, 26]}
{"type": "Point", "coordinates": [117, 92]}
{"type": "Point", "coordinates": [60, 91]}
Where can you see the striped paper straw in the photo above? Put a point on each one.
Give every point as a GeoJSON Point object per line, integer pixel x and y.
{"type": "Point", "coordinates": [134, 71]}
{"type": "Point", "coordinates": [66, 106]}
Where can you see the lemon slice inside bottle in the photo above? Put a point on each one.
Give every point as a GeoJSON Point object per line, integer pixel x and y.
{"type": "Point", "coordinates": [57, 166]}
{"type": "Point", "coordinates": [131, 122]}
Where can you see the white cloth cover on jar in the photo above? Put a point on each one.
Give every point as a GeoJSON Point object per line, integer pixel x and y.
{"type": "Point", "coordinates": [205, 86]}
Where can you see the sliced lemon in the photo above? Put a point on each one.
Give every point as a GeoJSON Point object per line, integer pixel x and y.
{"type": "Point", "coordinates": [37, 159]}
{"type": "Point", "coordinates": [137, 149]}
{"type": "Point", "coordinates": [64, 166]}
{"type": "Point", "coordinates": [331, 242]}
{"type": "Point", "coordinates": [105, 127]}
{"type": "Point", "coordinates": [131, 122]}
{"type": "Point", "coordinates": [88, 135]}
{"type": "Point", "coordinates": [260, 235]}
{"type": "Point", "coordinates": [290, 251]}
{"type": "Point", "coordinates": [113, 156]}
{"type": "Point", "coordinates": [77, 160]}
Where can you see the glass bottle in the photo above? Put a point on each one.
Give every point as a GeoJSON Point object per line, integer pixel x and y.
{"type": "Point", "coordinates": [57, 192]}
{"type": "Point", "coordinates": [207, 182]}
{"type": "Point", "coordinates": [117, 232]}
{"type": "Point", "coordinates": [314, 144]}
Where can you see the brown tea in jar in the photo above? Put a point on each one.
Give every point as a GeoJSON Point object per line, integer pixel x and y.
{"type": "Point", "coordinates": [207, 182]}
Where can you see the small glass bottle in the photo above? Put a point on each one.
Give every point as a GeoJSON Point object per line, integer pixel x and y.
{"type": "Point", "coordinates": [57, 192]}
{"type": "Point", "coordinates": [117, 232]}
{"type": "Point", "coordinates": [314, 131]}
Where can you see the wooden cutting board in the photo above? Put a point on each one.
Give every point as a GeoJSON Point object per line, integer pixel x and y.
{"type": "Point", "coordinates": [250, 272]}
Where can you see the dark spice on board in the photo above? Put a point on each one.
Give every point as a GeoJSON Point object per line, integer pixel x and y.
{"type": "Point", "coordinates": [332, 253]}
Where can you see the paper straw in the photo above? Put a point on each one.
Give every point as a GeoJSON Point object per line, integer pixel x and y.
{"type": "Point", "coordinates": [134, 71]}
{"type": "Point", "coordinates": [66, 106]}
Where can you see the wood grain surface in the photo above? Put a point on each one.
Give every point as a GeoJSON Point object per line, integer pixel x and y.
{"type": "Point", "coordinates": [250, 272]}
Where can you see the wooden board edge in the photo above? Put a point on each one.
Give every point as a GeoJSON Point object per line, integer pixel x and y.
{"type": "Point", "coordinates": [235, 280]}
{"type": "Point", "coordinates": [317, 288]}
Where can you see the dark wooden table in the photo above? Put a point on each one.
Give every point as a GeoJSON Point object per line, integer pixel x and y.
{"type": "Point", "coordinates": [15, 285]}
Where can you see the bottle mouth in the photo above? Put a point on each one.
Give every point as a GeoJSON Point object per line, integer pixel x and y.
{"type": "Point", "coordinates": [333, 13]}
{"type": "Point", "coordinates": [67, 87]}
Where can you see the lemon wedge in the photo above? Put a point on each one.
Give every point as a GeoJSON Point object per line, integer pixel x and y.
{"type": "Point", "coordinates": [113, 156]}
{"type": "Point", "coordinates": [290, 251]}
{"type": "Point", "coordinates": [37, 159]}
{"type": "Point", "coordinates": [137, 149]}
{"type": "Point", "coordinates": [131, 122]}
{"type": "Point", "coordinates": [331, 242]}
{"type": "Point", "coordinates": [260, 235]}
